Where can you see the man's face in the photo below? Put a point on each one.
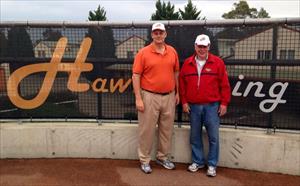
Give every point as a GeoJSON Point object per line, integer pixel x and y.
{"type": "Point", "coordinates": [201, 51]}
{"type": "Point", "coordinates": [158, 36]}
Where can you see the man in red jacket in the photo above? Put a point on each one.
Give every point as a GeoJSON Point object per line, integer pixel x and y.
{"type": "Point", "coordinates": [205, 94]}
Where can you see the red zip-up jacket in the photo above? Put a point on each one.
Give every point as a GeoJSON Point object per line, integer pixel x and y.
{"type": "Point", "coordinates": [213, 87]}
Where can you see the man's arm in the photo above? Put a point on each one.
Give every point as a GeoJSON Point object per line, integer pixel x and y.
{"type": "Point", "coordinates": [185, 105]}
{"type": "Point", "coordinates": [136, 81]}
{"type": "Point", "coordinates": [225, 91]}
{"type": "Point", "coordinates": [177, 87]}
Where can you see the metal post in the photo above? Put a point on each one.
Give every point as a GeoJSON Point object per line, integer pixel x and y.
{"type": "Point", "coordinates": [273, 67]}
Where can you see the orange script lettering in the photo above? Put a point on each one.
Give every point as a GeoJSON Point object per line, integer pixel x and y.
{"type": "Point", "coordinates": [51, 70]}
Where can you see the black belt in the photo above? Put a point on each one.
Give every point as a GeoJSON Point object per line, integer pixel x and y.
{"type": "Point", "coordinates": [166, 93]}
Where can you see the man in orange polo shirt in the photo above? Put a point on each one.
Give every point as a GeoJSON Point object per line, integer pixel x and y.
{"type": "Point", "coordinates": [155, 83]}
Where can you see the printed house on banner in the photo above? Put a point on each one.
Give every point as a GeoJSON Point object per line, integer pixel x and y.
{"type": "Point", "coordinates": [260, 45]}
{"type": "Point", "coordinates": [45, 49]}
{"type": "Point", "coordinates": [128, 48]}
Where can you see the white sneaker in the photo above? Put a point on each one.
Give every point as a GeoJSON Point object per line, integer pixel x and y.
{"type": "Point", "coordinates": [146, 168]}
{"type": "Point", "coordinates": [166, 164]}
{"type": "Point", "coordinates": [211, 171]}
{"type": "Point", "coordinates": [194, 167]}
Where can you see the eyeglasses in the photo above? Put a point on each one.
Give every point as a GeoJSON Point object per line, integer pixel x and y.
{"type": "Point", "coordinates": [202, 46]}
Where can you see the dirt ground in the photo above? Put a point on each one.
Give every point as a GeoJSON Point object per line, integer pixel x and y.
{"type": "Point", "coordinates": [92, 172]}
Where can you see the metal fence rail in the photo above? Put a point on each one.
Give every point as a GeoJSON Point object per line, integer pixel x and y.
{"type": "Point", "coordinates": [262, 58]}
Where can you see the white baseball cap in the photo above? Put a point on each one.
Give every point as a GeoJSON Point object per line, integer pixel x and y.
{"type": "Point", "coordinates": [202, 40]}
{"type": "Point", "coordinates": [158, 26]}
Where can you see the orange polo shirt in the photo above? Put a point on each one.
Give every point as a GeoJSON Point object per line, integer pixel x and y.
{"type": "Point", "coordinates": [157, 70]}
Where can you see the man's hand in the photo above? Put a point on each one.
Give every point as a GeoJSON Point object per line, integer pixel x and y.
{"type": "Point", "coordinates": [139, 105]}
{"type": "Point", "coordinates": [177, 101]}
{"type": "Point", "coordinates": [222, 110]}
{"type": "Point", "coordinates": [186, 108]}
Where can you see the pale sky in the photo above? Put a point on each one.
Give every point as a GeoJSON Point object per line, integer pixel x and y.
{"type": "Point", "coordinates": [127, 11]}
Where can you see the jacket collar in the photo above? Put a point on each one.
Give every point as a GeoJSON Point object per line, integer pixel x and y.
{"type": "Point", "coordinates": [193, 61]}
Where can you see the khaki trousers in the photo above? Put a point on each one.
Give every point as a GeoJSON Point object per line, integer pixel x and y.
{"type": "Point", "coordinates": [159, 110]}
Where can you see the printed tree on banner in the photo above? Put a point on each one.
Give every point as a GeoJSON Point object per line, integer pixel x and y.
{"type": "Point", "coordinates": [102, 42]}
{"type": "Point", "coordinates": [51, 35]}
{"type": "Point", "coordinates": [19, 45]}
{"type": "Point", "coordinates": [3, 44]}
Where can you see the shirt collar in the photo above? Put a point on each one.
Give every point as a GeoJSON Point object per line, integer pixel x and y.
{"type": "Point", "coordinates": [154, 51]}
{"type": "Point", "coordinates": [208, 60]}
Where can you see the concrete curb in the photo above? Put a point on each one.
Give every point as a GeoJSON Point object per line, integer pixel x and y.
{"type": "Point", "coordinates": [239, 148]}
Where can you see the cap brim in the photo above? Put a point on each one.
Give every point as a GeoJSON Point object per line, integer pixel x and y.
{"type": "Point", "coordinates": [158, 29]}
{"type": "Point", "coordinates": [202, 44]}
